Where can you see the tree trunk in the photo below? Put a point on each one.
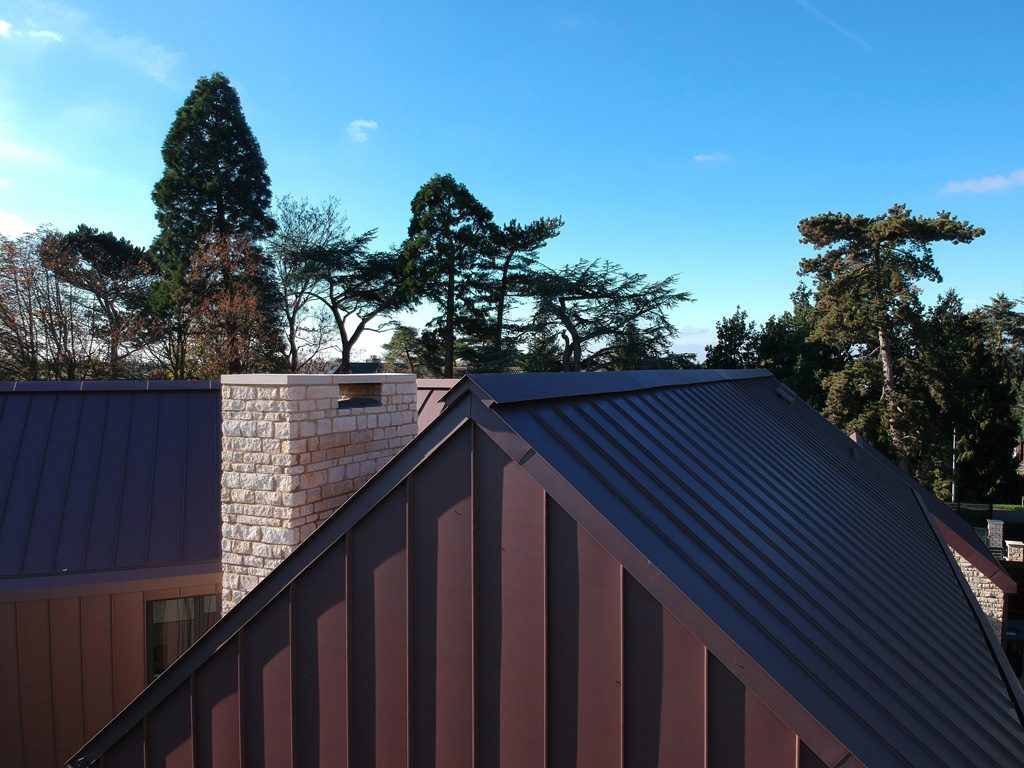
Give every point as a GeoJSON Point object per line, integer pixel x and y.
{"type": "Point", "coordinates": [888, 390]}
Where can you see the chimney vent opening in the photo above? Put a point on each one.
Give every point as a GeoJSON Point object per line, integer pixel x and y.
{"type": "Point", "coordinates": [359, 395]}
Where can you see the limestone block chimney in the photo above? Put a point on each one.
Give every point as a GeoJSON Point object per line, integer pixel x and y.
{"type": "Point", "coordinates": [294, 448]}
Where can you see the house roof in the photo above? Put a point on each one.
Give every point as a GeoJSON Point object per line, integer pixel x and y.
{"type": "Point", "coordinates": [956, 531]}
{"type": "Point", "coordinates": [104, 476]}
{"type": "Point", "coordinates": [818, 578]}
{"type": "Point", "coordinates": [826, 569]}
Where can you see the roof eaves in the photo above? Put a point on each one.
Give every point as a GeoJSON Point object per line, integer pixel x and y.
{"type": "Point", "coordinates": [107, 386]}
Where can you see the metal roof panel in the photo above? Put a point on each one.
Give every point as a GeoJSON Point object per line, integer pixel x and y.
{"type": "Point", "coordinates": [103, 475]}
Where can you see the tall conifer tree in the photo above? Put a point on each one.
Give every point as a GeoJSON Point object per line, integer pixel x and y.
{"type": "Point", "coordinates": [214, 188]}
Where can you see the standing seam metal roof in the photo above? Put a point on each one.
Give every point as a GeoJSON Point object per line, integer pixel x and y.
{"type": "Point", "coordinates": [827, 571]}
{"type": "Point", "coordinates": [101, 476]}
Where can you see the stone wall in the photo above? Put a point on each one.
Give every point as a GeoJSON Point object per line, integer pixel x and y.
{"type": "Point", "coordinates": [294, 448]}
{"type": "Point", "coordinates": [989, 596]}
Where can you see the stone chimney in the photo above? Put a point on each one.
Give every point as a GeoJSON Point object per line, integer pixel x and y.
{"type": "Point", "coordinates": [995, 533]}
{"type": "Point", "coordinates": [294, 448]}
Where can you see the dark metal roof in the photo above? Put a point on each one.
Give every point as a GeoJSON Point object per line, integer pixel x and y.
{"type": "Point", "coordinates": [97, 476]}
{"type": "Point", "coordinates": [814, 577]}
{"type": "Point", "coordinates": [957, 532]}
{"type": "Point", "coordinates": [517, 388]}
{"type": "Point", "coordinates": [825, 569]}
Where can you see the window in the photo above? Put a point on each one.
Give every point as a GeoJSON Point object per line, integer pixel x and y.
{"type": "Point", "coordinates": [173, 625]}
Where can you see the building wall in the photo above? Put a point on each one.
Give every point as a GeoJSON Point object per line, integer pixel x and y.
{"type": "Point", "coordinates": [465, 620]}
{"type": "Point", "coordinates": [69, 664]}
{"type": "Point", "coordinates": [990, 597]}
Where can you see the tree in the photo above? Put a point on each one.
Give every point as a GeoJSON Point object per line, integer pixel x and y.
{"type": "Point", "coordinates": [302, 228]}
{"type": "Point", "coordinates": [45, 332]}
{"type": "Point", "coordinates": [20, 337]}
{"type": "Point", "coordinates": [227, 293]}
{"type": "Point", "coordinates": [215, 178]}
{"type": "Point", "coordinates": [412, 351]}
{"type": "Point", "coordinates": [450, 233]}
{"type": "Point", "coordinates": [785, 347]}
{"type": "Point", "coordinates": [218, 326]}
{"type": "Point", "coordinates": [591, 304]}
{"type": "Point", "coordinates": [321, 259]}
{"type": "Point", "coordinates": [865, 276]}
{"type": "Point", "coordinates": [503, 278]}
{"type": "Point", "coordinates": [214, 185]}
{"type": "Point", "coordinates": [736, 345]}
{"type": "Point", "coordinates": [111, 275]}
{"type": "Point", "coordinates": [967, 392]}
{"type": "Point", "coordinates": [1004, 338]}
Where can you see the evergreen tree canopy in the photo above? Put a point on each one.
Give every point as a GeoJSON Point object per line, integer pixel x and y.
{"type": "Point", "coordinates": [865, 273]}
{"type": "Point", "coordinates": [450, 234]}
{"type": "Point", "coordinates": [215, 179]}
{"type": "Point", "coordinates": [597, 310]}
{"type": "Point", "coordinates": [214, 190]}
{"type": "Point", "coordinates": [737, 343]}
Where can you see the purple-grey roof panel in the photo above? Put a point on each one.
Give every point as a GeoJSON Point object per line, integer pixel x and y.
{"type": "Point", "coordinates": [108, 475]}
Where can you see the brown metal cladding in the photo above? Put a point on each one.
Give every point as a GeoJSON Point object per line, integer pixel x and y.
{"type": "Point", "coordinates": [727, 731]}
{"type": "Point", "coordinates": [441, 606]}
{"type": "Point", "coordinates": [776, 743]}
{"type": "Point", "coordinates": [66, 663]}
{"type": "Point", "coordinates": [169, 732]}
{"type": "Point", "coordinates": [266, 687]}
{"type": "Point", "coordinates": [10, 702]}
{"type": "Point", "coordinates": [665, 698]}
{"type": "Point", "coordinates": [378, 596]}
{"type": "Point", "coordinates": [321, 662]}
{"type": "Point", "coordinates": [36, 694]}
{"type": "Point", "coordinates": [592, 601]}
{"type": "Point", "coordinates": [807, 758]}
{"type": "Point", "coordinates": [510, 583]}
{"type": "Point", "coordinates": [129, 646]}
{"type": "Point", "coordinates": [129, 752]}
{"type": "Point", "coordinates": [63, 664]}
{"type": "Point", "coordinates": [98, 673]}
{"type": "Point", "coordinates": [218, 733]}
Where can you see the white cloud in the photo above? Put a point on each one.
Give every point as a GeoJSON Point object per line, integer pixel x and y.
{"type": "Point", "coordinates": [711, 157]}
{"type": "Point", "coordinates": [806, 5]}
{"type": "Point", "coordinates": [76, 26]}
{"type": "Point", "coordinates": [12, 225]}
{"type": "Point", "coordinates": [45, 35]}
{"type": "Point", "coordinates": [4, 183]}
{"type": "Point", "coordinates": [41, 35]}
{"type": "Point", "coordinates": [357, 129]}
{"type": "Point", "coordinates": [985, 184]}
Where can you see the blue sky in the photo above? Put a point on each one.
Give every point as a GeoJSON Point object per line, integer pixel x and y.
{"type": "Point", "coordinates": [685, 137]}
